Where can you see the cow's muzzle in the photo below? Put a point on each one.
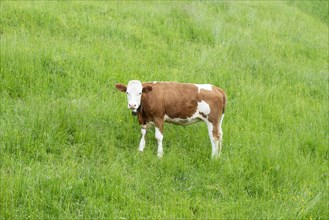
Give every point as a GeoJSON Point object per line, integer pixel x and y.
{"type": "Point", "coordinates": [134, 111]}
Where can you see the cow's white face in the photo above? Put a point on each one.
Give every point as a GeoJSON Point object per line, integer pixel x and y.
{"type": "Point", "coordinates": [134, 92]}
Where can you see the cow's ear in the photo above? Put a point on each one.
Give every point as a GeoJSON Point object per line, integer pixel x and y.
{"type": "Point", "coordinates": [121, 87]}
{"type": "Point", "coordinates": [147, 89]}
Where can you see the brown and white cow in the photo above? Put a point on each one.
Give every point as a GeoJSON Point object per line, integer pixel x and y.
{"type": "Point", "coordinates": [176, 103]}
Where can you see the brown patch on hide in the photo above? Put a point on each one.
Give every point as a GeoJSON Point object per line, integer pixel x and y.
{"type": "Point", "coordinates": [179, 100]}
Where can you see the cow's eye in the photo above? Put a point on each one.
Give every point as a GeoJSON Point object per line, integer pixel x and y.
{"type": "Point", "coordinates": [140, 93]}
{"type": "Point", "coordinates": [127, 93]}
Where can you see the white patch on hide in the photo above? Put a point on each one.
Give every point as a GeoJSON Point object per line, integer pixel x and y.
{"type": "Point", "coordinates": [204, 86]}
{"type": "Point", "coordinates": [202, 107]}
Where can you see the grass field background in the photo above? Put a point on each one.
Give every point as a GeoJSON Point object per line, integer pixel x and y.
{"type": "Point", "coordinates": [68, 145]}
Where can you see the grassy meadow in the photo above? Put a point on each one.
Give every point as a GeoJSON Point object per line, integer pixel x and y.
{"type": "Point", "coordinates": [68, 144]}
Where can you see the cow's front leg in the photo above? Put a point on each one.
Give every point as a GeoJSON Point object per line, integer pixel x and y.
{"type": "Point", "coordinates": [159, 136]}
{"type": "Point", "coordinates": [142, 142]}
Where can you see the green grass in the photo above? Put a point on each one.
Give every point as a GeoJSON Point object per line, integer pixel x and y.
{"type": "Point", "coordinates": [68, 145]}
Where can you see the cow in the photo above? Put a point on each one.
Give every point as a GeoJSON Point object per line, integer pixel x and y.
{"type": "Point", "coordinates": [178, 103]}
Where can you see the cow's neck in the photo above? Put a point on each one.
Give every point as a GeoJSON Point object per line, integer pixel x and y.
{"type": "Point", "coordinates": [140, 108]}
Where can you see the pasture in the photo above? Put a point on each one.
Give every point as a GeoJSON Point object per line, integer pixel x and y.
{"type": "Point", "coordinates": [68, 143]}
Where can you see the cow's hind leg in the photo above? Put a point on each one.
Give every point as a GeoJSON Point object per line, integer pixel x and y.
{"type": "Point", "coordinates": [214, 138]}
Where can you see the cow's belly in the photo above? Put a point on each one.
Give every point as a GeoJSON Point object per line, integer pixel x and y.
{"type": "Point", "coordinates": [183, 121]}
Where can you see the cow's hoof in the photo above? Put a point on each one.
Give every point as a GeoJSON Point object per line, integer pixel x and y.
{"type": "Point", "coordinates": [215, 157]}
{"type": "Point", "coordinates": [160, 155]}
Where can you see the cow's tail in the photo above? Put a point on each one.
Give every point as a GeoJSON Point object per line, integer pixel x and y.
{"type": "Point", "coordinates": [224, 99]}
{"type": "Point", "coordinates": [224, 102]}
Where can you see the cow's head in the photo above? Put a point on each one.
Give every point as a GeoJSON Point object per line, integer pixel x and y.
{"type": "Point", "coordinates": [134, 91]}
